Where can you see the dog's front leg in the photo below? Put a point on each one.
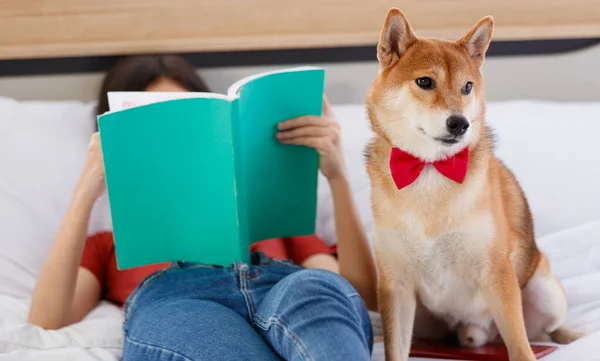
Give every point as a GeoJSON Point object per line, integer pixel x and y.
{"type": "Point", "coordinates": [397, 305]}
{"type": "Point", "coordinates": [503, 296]}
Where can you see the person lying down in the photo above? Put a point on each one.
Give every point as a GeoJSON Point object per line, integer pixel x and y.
{"type": "Point", "coordinates": [298, 299]}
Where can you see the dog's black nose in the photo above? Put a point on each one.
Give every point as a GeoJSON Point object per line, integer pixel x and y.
{"type": "Point", "coordinates": [457, 124]}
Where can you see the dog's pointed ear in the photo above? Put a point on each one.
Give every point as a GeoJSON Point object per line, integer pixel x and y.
{"type": "Point", "coordinates": [478, 39]}
{"type": "Point", "coordinates": [396, 37]}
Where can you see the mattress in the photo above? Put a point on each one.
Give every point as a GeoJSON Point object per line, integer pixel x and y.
{"type": "Point", "coordinates": [574, 255]}
{"type": "Point", "coordinates": [555, 172]}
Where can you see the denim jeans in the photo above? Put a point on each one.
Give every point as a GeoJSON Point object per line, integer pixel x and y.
{"type": "Point", "coordinates": [268, 310]}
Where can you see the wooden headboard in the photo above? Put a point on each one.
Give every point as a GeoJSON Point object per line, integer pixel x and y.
{"type": "Point", "coordinates": [31, 29]}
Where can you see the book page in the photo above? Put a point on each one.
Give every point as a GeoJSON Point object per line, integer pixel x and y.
{"type": "Point", "coordinates": [118, 101]}
{"type": "Point", "coordinates": [234, 90]}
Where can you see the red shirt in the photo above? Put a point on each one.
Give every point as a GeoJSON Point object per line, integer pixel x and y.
{"type": "Point", "coordinates": [99, 258]}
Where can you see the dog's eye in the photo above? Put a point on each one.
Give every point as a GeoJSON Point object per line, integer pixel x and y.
{"type": "Point", "coordinates": [425, 83]}
{"type": "Point", "coordinates": [467, 88]}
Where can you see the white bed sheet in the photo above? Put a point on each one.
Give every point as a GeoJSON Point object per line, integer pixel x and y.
{"type": "Point", "coordinates": [98, 337]}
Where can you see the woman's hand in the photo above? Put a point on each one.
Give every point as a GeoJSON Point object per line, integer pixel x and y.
{"type": "Point", "coordinates": [321, 133]}
{"type": "Point", "coordinates": [92, 181]}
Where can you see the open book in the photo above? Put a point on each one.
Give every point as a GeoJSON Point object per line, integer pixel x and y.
{"type": "Point", "coordinates": [198, 177]}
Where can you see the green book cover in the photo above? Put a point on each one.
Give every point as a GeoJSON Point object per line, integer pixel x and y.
{"type": "Point", "coordinates": [198, 177]}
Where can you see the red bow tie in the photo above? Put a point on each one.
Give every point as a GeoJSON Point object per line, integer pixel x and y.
{"type": "Point", "coordinates": [406, 168]}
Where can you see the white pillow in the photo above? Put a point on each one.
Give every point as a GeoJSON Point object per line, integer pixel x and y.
{"type": "Point", "coordinates": [42, 148]}
{"type": "Point", "coordinates": [551, 147]}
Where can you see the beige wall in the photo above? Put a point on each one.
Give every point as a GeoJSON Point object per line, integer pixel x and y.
{"type": "Point", "coordinates": [573, 76]}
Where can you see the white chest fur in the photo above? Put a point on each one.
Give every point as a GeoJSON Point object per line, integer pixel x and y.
{"type": "Point", "coordinates": [444, 279]}
{"type": "Point", "coordinates": [442, 268]}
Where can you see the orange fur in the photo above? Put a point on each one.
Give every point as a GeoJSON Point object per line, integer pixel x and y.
{"type": "Point", "coordinates": [476, 237]}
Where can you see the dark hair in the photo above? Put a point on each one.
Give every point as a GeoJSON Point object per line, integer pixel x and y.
{"type": "Point", "coordinates": [135, 73]}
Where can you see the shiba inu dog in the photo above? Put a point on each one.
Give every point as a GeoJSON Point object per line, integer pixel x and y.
{"type": "Point", "coordinates": [454, 237]}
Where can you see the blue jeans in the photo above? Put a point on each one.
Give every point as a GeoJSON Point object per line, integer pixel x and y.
{"type": "Point", "coordinates": [268, 310]}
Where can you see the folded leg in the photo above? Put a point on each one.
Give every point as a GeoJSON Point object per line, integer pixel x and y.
{"type": "Point", "coordinates": [315, 315]}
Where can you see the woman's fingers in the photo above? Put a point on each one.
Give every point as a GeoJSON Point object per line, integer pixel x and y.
{"type": "Point", "coordinates": [307, 120]}
{"type": "Point", "coordinates": [307, 131]}
{"type": "Point", "coordinates": [319, 143]}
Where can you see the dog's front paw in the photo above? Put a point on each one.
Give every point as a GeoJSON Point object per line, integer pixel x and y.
{"type": "Point", "coordinates": [521, 353]}
{"type": "Point", "coordinates": [396, 358]}
{"type": "Point", "coordinates": [525, 358]}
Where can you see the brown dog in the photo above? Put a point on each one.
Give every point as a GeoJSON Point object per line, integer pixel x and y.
{"type": "Point", "coordinates": [454, 235]}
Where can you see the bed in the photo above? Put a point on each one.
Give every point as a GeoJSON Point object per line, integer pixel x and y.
{"type": "Point", "coordinates": [47, 140]}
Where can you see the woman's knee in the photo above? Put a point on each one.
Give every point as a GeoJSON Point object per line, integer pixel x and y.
{"type": "Point", "coordinates": [319, 282]}
{"type": "Point", "coordinates": [319, 289]}
{"type": "Point", "coordinates": [312, 312]}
